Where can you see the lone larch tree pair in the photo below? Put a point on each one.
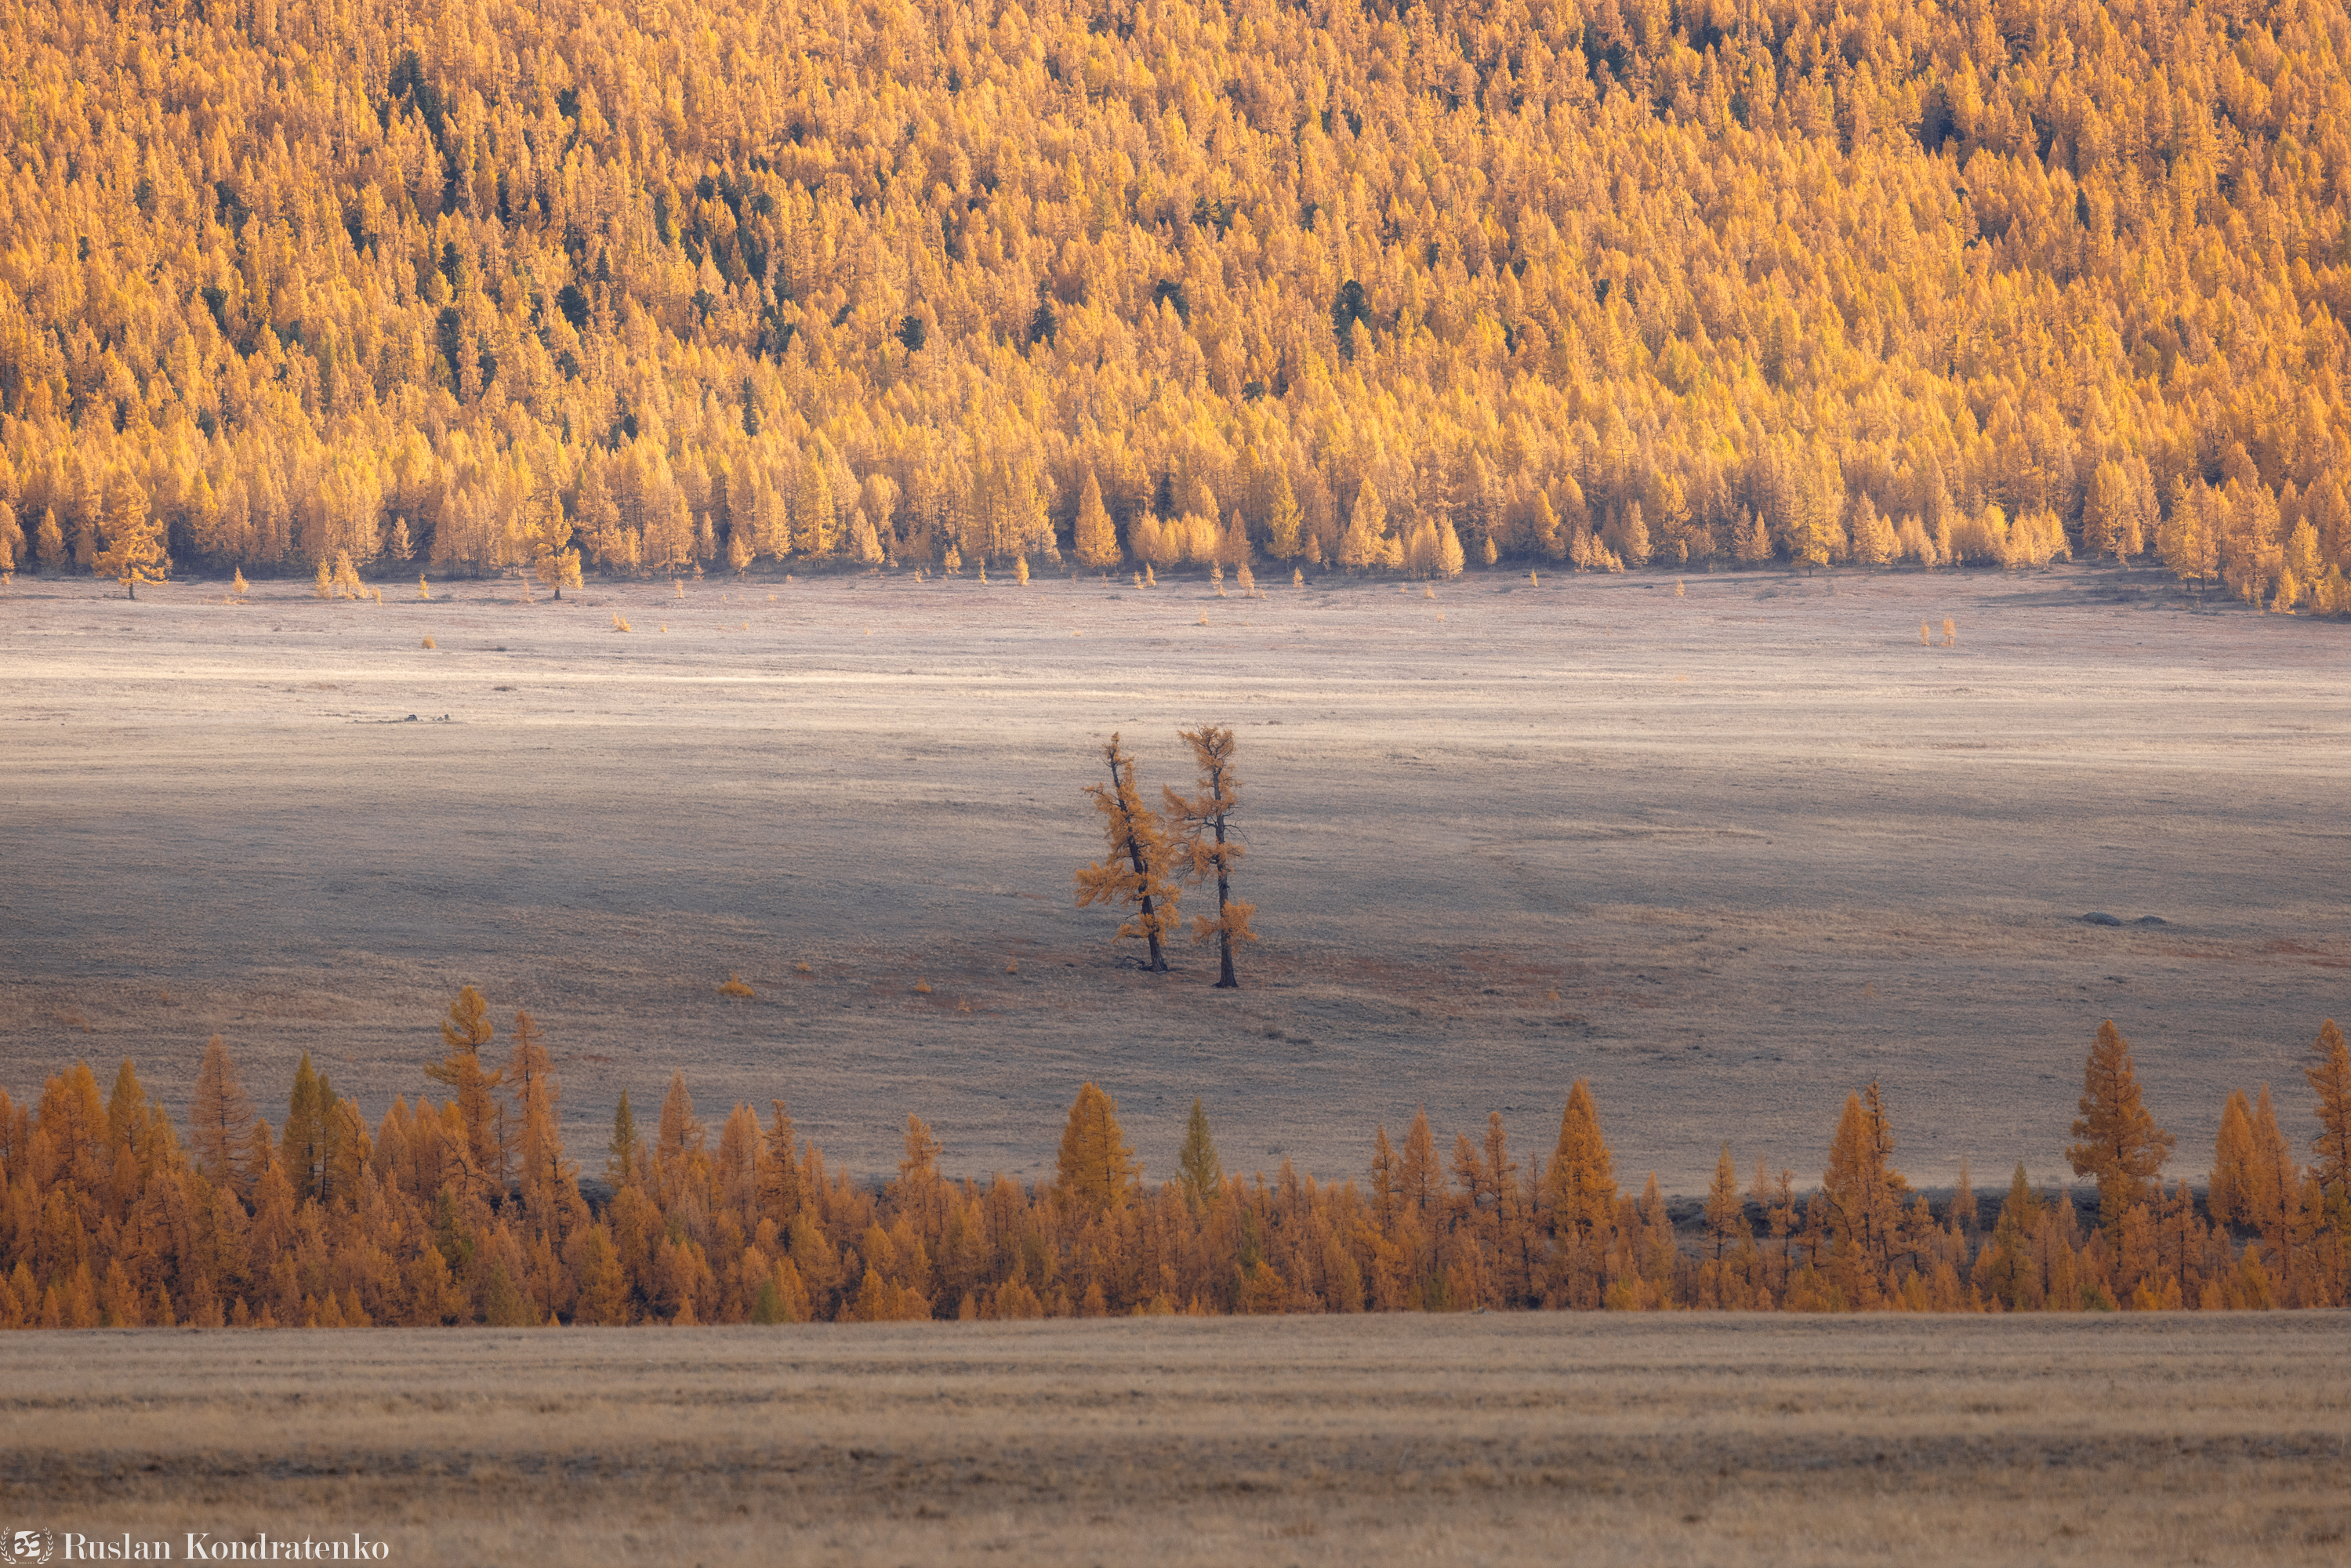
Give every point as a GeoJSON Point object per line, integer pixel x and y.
{"type": "Point", "coordinates": [1192, 839]}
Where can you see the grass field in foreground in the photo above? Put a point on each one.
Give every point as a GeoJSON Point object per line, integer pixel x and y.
{"type": "Point", "coordinates": [2153, 1439]}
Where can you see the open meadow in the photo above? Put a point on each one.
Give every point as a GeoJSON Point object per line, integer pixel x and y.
{"type": "Point", "coordinates": [1613, 1438]}
{"type": "Point", "coordinates": [1730, 850]}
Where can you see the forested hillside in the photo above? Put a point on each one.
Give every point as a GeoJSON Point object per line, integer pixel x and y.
{"type": "Point", "coordinates": [462, 284]}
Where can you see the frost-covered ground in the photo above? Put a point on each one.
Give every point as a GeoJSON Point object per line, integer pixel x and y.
{"type": "Point", "coordinates": [1762, 844]}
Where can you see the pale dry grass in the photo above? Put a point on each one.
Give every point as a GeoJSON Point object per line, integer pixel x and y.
{"type": "Point", "coordinates": [2218, 1438]}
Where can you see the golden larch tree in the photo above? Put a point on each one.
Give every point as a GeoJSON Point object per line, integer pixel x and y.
{"type": "Point", "coordinates": [1363, 545]}
{"type": "Point", "coordinates": [2273, 1187]}
{"type": "Point", "coordinates": [2116, 1140]}
{"type": "Point", "coordinates": [1386, 1201]}
{"type": "Point", "coordinates": [347, 1148]}
{"type": "Point", "coordinates": [556, 564]}
{"type": "Point", "coordinates": [1135, 871]}
{"type": "Point", "coordinates": [679, 1137]}
{"type": "Point", "coordinates": [1418, 1183]}
{"type": "Point", "coordinates": [922, 1194]}
{"type": "Point", "coordinates": [49, 542]}
{"type": "Point", "coordinates": [1582, 1178]}
{"type": "Point", "coordinates": [530, 1079]}
{"type": "Point", "coordinates": [1284, 521]}
{"type": "Point", "coordinates": [1096, 538]}
{"type": "Point", "coordinates": [1208, 845]}
{"type": "Point", "coordinates": [134, 551]}
{"type": "Point", "coordinates": [302, 1142]}
{"type": "Point", "coordinates": [1726, 1210]}
{"type": "Point", "coordinates": [1864, 1192]}
{"type": "Point", "coordinates": [2228, 1196]}
{"type": "Point", "coordinates": [1095, 1167]}
{"type": "Point", "coordinates": [473, 1092]}
{"type": "Point", "coordinates": [2329, 1076]}
{"type": "Point", "coordinates": [219, 1117]}
{"type": "Point", "coordinates": [735, 1167]}
{"type": "Point", "coordinates": [779, 1174]}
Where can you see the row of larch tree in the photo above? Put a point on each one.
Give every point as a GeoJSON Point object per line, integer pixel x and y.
{"type": "Point", "coordinates": [466, 285]}
{"type": "Point", "coordinates": [469, 1211]}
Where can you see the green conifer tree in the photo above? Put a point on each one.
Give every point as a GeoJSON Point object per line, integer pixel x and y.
{"type": "Point", "coordinates": [1204, 1173]}
{"type": "Point", "coordinates": [621, 1165]}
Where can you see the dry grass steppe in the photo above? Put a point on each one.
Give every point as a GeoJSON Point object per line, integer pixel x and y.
{"type": "Point", "coordinates": [1762, 844]}
{"type": "Point", "coordinates": [2151, 1439]}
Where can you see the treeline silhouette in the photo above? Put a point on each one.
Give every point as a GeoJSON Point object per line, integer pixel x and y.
{"type": "Point", "coordinates": [473, 285]}
{"type": "Point", "coordinates": [469, 1211]}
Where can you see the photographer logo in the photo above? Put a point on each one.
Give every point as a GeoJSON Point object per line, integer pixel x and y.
{"type": "Point", "coordinates": [28, 1547]}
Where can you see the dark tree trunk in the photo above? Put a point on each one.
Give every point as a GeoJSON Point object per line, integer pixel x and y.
{"type": "Point", "coordinates": [1225, 981]}
{"type": "Point", "coordinates": [1158, 964]}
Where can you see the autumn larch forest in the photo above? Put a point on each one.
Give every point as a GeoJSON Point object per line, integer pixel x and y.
{"type": "Point", "coordinates": [471, 1211]}
{"type": "Point", "coordinates": [473, 286]}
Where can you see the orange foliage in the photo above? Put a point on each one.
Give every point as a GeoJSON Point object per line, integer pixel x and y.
{"type": "Point", "coordinates": [1871, 282]}
{"type": "Point", "coordinates": [106, 1219]}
